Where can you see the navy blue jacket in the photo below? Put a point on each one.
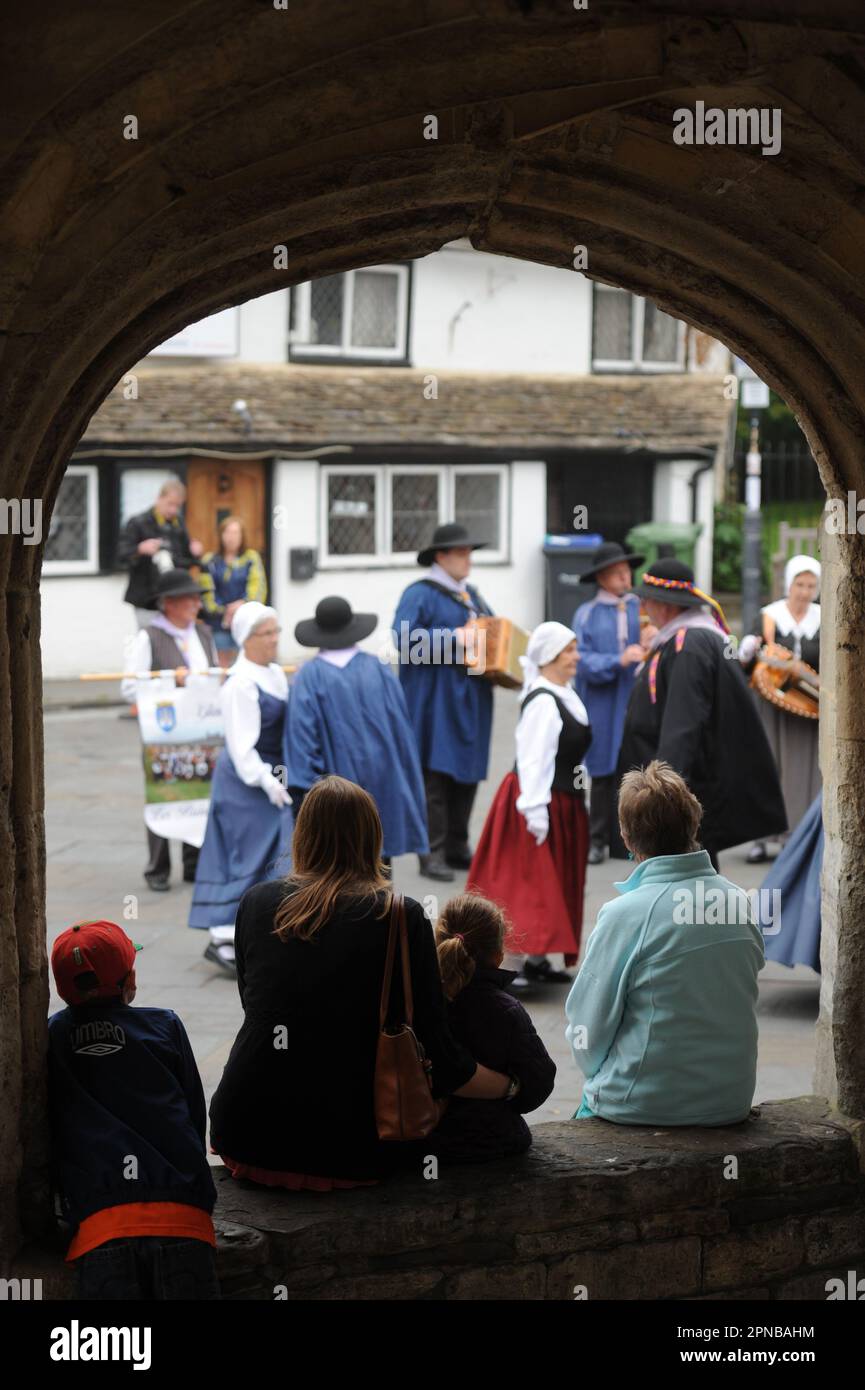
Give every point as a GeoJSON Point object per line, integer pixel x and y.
{"type": "Point", "coordinates": [495, 1028]}
{"type": "Point", "coordinates": [123, 1084]}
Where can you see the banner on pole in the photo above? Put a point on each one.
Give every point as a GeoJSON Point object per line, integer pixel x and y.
{"type": "Point", "coordinates": [181, 738]}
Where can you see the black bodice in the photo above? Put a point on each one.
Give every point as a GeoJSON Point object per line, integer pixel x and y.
{"type": "Point", "coordinates": [574, 740]}
{"type": "Point", "coordinates": [810, 647]}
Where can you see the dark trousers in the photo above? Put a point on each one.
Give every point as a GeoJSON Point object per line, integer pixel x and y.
{"type": "Point", "coordinates": [159, 862]}
{"type": "Point", "coordinates": [448, 807]}
{"type": "Point", "coordinates": [154, 1268]}
{"type": "Point", "coordinates": [602, 802]}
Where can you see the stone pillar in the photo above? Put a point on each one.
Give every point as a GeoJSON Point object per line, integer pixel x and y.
{"type": "Point", "coordinates": [840, 1063]}
{"type": "Point", "coordinates": [24, 1204]}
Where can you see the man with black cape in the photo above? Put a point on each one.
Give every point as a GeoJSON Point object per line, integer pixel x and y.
{"type": "Point", "coordinates": [691, 707]}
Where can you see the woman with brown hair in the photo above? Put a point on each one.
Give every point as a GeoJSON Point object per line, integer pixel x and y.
{"type": "Point", "coordinates": [294, 1107]}
{"type": "Point", "coordinates": [232, 575]}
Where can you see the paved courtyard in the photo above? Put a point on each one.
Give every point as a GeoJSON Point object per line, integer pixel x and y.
{"type": "Point", "coordinates": [96, 853]}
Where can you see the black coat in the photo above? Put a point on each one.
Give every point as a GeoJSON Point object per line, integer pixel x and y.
{"type": "Point", "coordinates": [307, 1106]}
{"type": "Point", "coordinates": [143, 573]}
{"type": "Point", "coordinates": [495, 1028]}
{"type": "Point", "coordinates": [704, 722]}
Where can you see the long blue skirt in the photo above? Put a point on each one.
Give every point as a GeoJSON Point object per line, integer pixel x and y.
{"type": "Point", "coordinates": [796, 873]}
{"type": "Point", "coordinates": [241, 847]}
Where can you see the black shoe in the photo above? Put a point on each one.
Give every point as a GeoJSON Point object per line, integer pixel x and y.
{"type": "Point", "coordinates": [544, 974]}
{"type": "Point", "coordinates": [597, 854]}
{"type": "Point", "coordinates": [431, 867]}
{"type": "Point", "coordinates": [158, 882]}
{"type": "Point", "coordinates": [188, 875]}
{"type": "Point", "coordinates": [459, 859]}
{"type": "Point", "coordinates": [212, 953]}
{"type": "Point", "coordinates": [757, 854]}
{"type": "Point", "coordinates": [521, 988]}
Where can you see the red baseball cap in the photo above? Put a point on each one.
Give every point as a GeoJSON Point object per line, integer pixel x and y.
{"type": "Point", "coordinates": [91, 960]}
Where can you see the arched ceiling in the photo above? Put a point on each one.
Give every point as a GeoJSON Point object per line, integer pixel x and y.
{"type": "Point", "coordinates": [305, 127]}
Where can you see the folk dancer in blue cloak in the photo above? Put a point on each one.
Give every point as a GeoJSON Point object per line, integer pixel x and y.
{"type": "Point", "coordinates": [347, 716]}
{"type": "Point", "coordinates": [248, 800]}
{"type": "Point", "coordinates": [608, 634]}
{"type": "Point", "coordinates": [450, 710]}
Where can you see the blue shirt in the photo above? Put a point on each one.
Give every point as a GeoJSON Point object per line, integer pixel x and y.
{"type": "Point", "coordinates": [603, 684]}
{"type": "Point", "coordinates": [662, 1016]}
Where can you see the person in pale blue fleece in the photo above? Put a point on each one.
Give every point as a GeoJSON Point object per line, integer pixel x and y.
{"type": "Point", "coordinates": [662, 1016]}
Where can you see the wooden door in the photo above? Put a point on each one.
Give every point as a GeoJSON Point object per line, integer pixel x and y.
{"type": "Point", "coordinates": [216, 489]}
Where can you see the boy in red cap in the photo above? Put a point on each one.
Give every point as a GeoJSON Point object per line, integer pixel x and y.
{"type": "Point", "coordinates": [127, 1128]}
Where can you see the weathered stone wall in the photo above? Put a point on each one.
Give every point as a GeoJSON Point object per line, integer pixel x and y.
{"type": "Point", "coordinates": [626, 1213]}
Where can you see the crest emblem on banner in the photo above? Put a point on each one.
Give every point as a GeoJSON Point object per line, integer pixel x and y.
{"type": "Point", "coordinates": [166, 716]}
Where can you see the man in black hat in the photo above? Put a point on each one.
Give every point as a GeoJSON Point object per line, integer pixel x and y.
{"type": "Point", "coordinates": [347, 716]}
{"type": "Point", "coordinates": [450, 711]}
{"type": "Point", "coordinates": [691, 707]}
{"type": "Point", "coordinates": [608, 641]}
{"type": "Point", "coordinates": [173, 640]}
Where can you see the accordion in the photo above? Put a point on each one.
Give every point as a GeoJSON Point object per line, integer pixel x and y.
{"type": "Point", "coordinates": [496, 652]}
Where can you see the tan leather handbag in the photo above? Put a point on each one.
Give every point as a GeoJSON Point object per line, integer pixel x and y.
{"type": "Point", "coordinates": [404, 1105]}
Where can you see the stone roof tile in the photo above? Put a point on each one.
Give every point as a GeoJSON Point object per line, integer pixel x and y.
{"type": "Point", "coordinates": [299, 406]}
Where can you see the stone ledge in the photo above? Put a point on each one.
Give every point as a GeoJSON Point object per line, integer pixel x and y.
{"type": "Point", "coordinates": [624, 1212]}
{"type": "Point", "coordinates": [620, 1212]}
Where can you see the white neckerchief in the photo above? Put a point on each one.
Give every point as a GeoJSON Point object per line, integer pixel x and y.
{"type": "Point", "coordinates": [566, 693]}
{"type": "Point", "coordinates": [689, 617]}
{"type": "Point", "coordinates": [270, 678]}
{"type": "Point", "coordinates": [787, 625]}
{"type": "Point", "coordinates": [621, 602]}
{"type": "Point", "coordinates": [456, 586]}
{"type": "Point", "coordinates": [338, 656]}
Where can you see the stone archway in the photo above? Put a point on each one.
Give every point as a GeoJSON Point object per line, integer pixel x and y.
{"type": "Point", "coordinates": [256, 127]}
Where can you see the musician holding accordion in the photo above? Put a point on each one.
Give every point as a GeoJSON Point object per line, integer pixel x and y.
{"type": "Point", "coordinates": [784, 663]}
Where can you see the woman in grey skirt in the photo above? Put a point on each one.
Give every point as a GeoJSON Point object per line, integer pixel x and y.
{"type": "Point", "coordinates": [792, 622]}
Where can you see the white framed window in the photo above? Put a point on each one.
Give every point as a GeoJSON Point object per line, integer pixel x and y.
{"type": "Point", "coordinates": [72, 543]}
{"type": "Point", "coordinates": [359, 314]}
{"type": "Point", "coordinates": [385, 513]}
{"type": "Point", "coordinates": [632, 334]}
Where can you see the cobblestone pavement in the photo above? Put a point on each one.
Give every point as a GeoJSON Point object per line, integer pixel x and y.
{"type": "Point", "coordinates": [96, 854]}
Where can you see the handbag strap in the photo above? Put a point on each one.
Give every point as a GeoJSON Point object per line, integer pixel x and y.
{"type": "Point", "coordinates": [397, 928]}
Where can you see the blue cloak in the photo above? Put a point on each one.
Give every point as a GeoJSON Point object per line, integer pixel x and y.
{"type": "Point", "coordinates": [451, 712]}
{"type": "Point", "coordinates": [603, 684]}
{"type": "Point", "coordinates": [796, 875]}
{"type": "Point", "coordinates": [352, 721]}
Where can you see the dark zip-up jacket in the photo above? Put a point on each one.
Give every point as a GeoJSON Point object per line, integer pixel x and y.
{"type": "Point", "coordinates": [123, 1085]}
{"type": "Point", "coordinates": [495, 1028]}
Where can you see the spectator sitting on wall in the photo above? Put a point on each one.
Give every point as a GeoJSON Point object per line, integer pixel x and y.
{"type": "Point", "coordinates": [662, 1018]}
{"type": "Point", "coordinates": [152, 543]}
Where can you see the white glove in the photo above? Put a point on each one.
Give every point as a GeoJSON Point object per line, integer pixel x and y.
{"type": "Point", "coordinates": [748, 647]}
{"type": "Point", "coordinates": [276, 793]}
{"type": "Point", "coordinates": [538, 823]}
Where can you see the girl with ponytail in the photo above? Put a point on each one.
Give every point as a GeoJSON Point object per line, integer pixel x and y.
{"type": "Point", "coordinates": [471, 935]}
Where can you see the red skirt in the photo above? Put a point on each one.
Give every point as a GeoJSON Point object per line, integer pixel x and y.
{"type": "Point", "coordinates": [540, 889]}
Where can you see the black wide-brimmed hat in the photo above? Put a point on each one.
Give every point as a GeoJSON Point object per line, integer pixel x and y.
{"type": "Point", "coordinates": [674, 584]}
{"type": "Point", "coordinates": [451, 536]}
{"type": "Point", "coordinates": [610, 553]}
{"type": "Point", "coordinates": [334, 625]}
{"type": "Point", "coordinates": [177, 584]}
